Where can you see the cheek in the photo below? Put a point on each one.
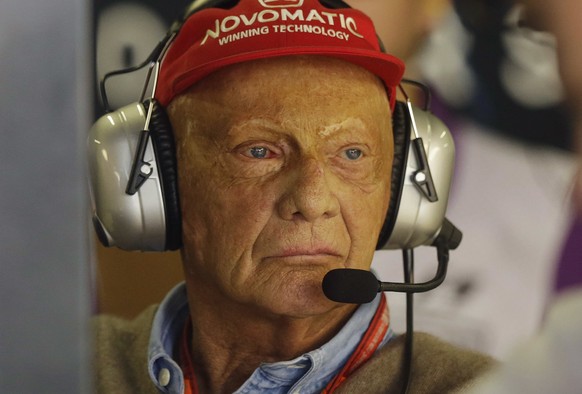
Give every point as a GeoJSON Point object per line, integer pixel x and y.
{"type": "Point", "coordinates": [384, 191]}
{"type": "Point", "coordinates": [369, 210]}
{"type": "Point", "coordinates": [364, 208]}
{"type": "Point", "coordinates": [219, 209]}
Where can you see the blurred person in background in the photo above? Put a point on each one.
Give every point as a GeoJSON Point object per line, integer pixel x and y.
{"type": "Point", "coordinates": [413, 20]}
{"type": "Point", "coordinates": [497, 86]}
{"type": "Point", "coordinates": [550, 362]}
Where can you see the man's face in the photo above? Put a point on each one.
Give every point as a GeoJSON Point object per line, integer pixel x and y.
{"type": "Point", "coordinates": [284, 174]}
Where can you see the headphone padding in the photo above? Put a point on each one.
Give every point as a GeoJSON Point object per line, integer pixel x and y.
{"type": "Point", "coordinates": [401, 133]}
{"type": "Point", "coordinates": [165, 148]}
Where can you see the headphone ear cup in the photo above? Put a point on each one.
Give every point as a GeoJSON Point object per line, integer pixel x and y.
{"type": "Point", "coordinates": [412, 219]}
{"type": "Point", "coordinates": [139, 221]}
{"type": "Point", "coordinates": [165, 152]}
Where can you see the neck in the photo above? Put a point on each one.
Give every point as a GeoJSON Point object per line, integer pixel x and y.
{"type": "Point", "coordinates": [231, 339]}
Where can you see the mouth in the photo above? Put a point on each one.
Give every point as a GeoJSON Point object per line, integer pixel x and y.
{"type": "Point", "coordinates": [312, 255]}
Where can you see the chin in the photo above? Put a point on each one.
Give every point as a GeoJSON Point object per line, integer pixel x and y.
{"type": "Point", "coordinates": [301, 299]}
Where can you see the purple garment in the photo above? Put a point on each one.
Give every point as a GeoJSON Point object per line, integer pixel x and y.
{"type": "Point", "coordinates": [569, 270]}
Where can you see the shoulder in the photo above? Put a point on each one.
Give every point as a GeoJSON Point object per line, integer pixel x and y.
{"type": "Point", "coordinates": [120, 352]}
{"type": "Point", "coordinates": [437, 367]}
{"type": "Point", "coordinates": [459, 362]}
{"type": "Point", "coordinates": [109, 324]}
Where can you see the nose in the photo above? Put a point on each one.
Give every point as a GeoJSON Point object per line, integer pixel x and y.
{"type": "Point", "coordinates": [308, 193]}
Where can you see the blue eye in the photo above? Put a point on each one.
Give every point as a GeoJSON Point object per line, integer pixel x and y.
{"type": "Point", "coordinates": [259, 152]}
{"type": "Point", "coordinates": [353, 153]}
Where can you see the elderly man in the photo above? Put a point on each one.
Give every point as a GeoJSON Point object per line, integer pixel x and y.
{"type": "Point", "coordinates": [281, 115]}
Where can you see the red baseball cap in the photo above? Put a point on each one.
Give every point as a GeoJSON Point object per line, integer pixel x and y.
{"type": "Point", "coordinates": [213, 38]}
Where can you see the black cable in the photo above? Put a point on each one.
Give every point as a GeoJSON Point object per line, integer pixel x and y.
{"type": "Point", "coordinates": [408, 265]}
{"type": "Point", "coordinates": [425, 91]}
{"type": "Point", "coordinates": [155, 54]}
{"type": "Point", "coordinates": [408, 262]}
{"type": "Point", "coordinates": [103, 88]}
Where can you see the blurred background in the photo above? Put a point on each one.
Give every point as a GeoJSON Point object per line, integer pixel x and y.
{"type": "Point", "coordinates": [495, 84]}
{"type": "Point", "coordinates": [45, 278]}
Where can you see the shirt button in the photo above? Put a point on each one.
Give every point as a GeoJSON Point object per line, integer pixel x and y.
{"type": "Point", "coordinates": [164, 377]}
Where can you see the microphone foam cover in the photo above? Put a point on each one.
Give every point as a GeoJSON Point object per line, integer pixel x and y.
{"type": "Point", "coordinates": [351, 286]}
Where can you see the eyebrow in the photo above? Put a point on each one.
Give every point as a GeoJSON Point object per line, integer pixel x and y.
{"type": "Point", "coordinates": [261, 122]}
{"type": "Point", "coordinates": [349, 123]}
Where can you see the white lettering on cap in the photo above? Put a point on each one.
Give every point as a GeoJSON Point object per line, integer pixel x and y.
{"type": "Point", "coordinates": [269, 15]}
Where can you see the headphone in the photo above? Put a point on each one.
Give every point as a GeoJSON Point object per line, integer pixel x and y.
{"type": "Point", "coordinates": [133, 176]}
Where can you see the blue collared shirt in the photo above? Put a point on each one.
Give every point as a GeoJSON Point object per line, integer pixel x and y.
{"type": "Point", "coordinates": [308, 373]}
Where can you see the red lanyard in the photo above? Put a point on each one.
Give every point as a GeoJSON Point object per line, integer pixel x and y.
{"type": "Point", "coordinates": [190, 385]}
{"type": "Point", "coordinates": [370, 341]}
{"type": "Point", "coordinates": [372, 338]}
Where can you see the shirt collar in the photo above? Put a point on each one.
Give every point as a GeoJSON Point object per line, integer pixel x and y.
{"type": "Point", "coordinates": [309, 372]}
{"type": "Point", "coordinates": [312, 371]}
{"type": "Point", "coordinates": [167, 326]}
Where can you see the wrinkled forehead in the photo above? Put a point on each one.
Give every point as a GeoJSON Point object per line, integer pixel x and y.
{"type": "Point", "coordinates": [293, 84]}
{"type": "Point", "coordinates": [310, 105]}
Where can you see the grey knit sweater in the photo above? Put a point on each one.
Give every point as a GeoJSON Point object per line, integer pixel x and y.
{"type": "Point", "coordinates": [121, 362]}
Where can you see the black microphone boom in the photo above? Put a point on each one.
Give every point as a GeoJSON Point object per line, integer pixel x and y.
{"type": "Point", "coordinates": [355, 286]}
{"type": "Point", "coordinates": [351, 286]}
